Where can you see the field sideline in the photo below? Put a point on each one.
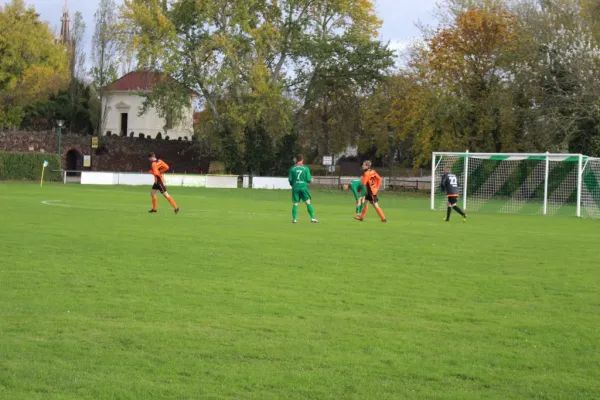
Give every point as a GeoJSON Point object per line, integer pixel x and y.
{"type": "Point", "coordinates": [230, 300]}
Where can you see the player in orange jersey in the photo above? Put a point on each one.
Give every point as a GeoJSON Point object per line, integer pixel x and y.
{"type": "Point", "coordinates": [372, 181]}
{"type": "Point", "coordinates": [159, 167]}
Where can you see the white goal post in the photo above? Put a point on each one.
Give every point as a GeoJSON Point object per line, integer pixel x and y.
{"type": "Point", "coordinates": [520, 183]}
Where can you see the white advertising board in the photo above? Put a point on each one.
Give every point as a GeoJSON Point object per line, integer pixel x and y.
{"type": "Point", "coordinates": [259, 182]}
{"type": "Point", "coordinates": [133, 179]}
{"type": "Point", "coordinates": [185, 180]}
{"type": "Point", "coordinates": [98, 178]}
{"type": "Point", "coordinates": [222, 181]}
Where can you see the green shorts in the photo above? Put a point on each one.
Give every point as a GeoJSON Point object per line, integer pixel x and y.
{"type": "Point", "coordinates": [300, 194]}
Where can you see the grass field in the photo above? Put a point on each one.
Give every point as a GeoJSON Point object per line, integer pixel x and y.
{"type": "Point", "coordinates": [229, 300]}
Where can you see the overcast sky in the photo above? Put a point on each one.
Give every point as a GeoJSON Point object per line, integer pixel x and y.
{"type": "Point", "coordinates": [399, 17]}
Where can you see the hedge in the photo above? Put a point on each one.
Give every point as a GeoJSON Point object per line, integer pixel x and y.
{"type": "Point", "coordinates": [28, 167]}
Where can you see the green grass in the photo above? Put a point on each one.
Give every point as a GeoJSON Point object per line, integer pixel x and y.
{"type": "Point", "coordinates": [229, 300]}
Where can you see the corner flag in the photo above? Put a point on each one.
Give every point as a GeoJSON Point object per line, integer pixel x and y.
{"type": "Point", "coordinates": [44, 165]}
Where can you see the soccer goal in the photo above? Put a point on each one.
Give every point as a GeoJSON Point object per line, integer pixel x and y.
{"type": "Point", "coordinates": [544, 183]}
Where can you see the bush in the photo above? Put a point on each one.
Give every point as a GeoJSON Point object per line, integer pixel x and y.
{"type": "Point", "coordinates": [216, 167]}
{"type": "Point", "coordinates": [28, 167]}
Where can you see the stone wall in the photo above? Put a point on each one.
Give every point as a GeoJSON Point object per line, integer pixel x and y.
{"type": "Point", "coordinates": [114, 153]}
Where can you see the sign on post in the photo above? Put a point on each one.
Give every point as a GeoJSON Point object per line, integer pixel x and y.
{"type": "Point", "coordinates": [327, 160]}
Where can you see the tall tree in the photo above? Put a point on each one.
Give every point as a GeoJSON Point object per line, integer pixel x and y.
{"type": "Point", "coordinates": [561, 71]}
{"type": "Point", "coordinates": [252, 62]}
{"type": "Point", "coordinates": [379, 126]}
{"type": "Point", "coordinates": [105, 54]}
{"type": "Point", "coordinates": [459, 96]}
{"type": "Point", "coordinates": [77, 60]}
{"type": "Point", "coordinates": [32, 64]}
{"type": "Point", "coordinates": [345, 68]}
{"type": "Point", "coordinates": [78, 55]}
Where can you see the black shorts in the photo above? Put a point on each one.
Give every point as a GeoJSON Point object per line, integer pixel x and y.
{"type": "Point", "coordinates": [160, 186]}
{"type": "Point", "coordinates": [453, 200]}
{"type": "Point", "coordinates": [372, 198]}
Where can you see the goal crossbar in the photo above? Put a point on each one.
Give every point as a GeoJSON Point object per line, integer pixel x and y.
{"type": "Point", "coordinates": [470, 154]}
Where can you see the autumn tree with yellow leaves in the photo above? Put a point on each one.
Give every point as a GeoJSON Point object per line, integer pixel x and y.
{"type": "Point", "coordinates": [32, 64]}
{"type": "Point", "coordinates": [461, 78]}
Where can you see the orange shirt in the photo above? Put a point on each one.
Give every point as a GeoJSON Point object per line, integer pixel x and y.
{"type": "Point", "coordinates": [159, 167]}
{"type": "Point", "coordinates": [371, 180]}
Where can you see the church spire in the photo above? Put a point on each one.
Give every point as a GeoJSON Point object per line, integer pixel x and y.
{"type": "Point", "coordinates": [65, 27]}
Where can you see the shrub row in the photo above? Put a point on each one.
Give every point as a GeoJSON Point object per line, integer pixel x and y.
{"type": "Point", "coordinates": [28, 166]}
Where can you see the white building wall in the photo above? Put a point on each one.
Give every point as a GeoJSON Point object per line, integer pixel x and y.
{"type": "Point", "coordinates": [148, 124]}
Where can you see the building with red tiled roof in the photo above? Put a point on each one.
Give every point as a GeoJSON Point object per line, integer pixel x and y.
{"type": "Point", "coordinates": [123, 103]}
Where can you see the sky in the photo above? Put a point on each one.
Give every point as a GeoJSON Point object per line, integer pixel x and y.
{"type": "Point", "coordinates": [399, 17]}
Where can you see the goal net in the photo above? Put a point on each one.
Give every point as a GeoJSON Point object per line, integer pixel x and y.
{"type": "Point", "coordinates": [548, 184]}
{"type": "Point", "coordinates": [590, 194]}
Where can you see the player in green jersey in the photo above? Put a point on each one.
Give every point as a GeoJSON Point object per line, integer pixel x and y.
{"type": "Point", "coordinates": [359, 191]}
{"type": "Point", "coordinates": [299, 178]}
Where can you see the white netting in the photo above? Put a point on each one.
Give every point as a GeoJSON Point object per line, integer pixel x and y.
{"type": "Point", "coordinates": [526, 198]}
{"type": "Point", "coordinates": [562, 188]}
{"type": "Point", "coordinates": [590, 189]}
{"type": "Point", "coordinates": [486, 181]}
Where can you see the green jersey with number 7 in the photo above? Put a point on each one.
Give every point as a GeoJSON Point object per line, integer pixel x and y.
{"type": "Point", "coordinates": [299, 176]}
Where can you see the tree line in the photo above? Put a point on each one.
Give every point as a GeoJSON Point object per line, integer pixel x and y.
{"type": "Point", "coordinates": [500, 76]}
{"type": "Point", "coordinates": [281, 76]}
{"type": "Point", "coordinates": [44, 79]}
